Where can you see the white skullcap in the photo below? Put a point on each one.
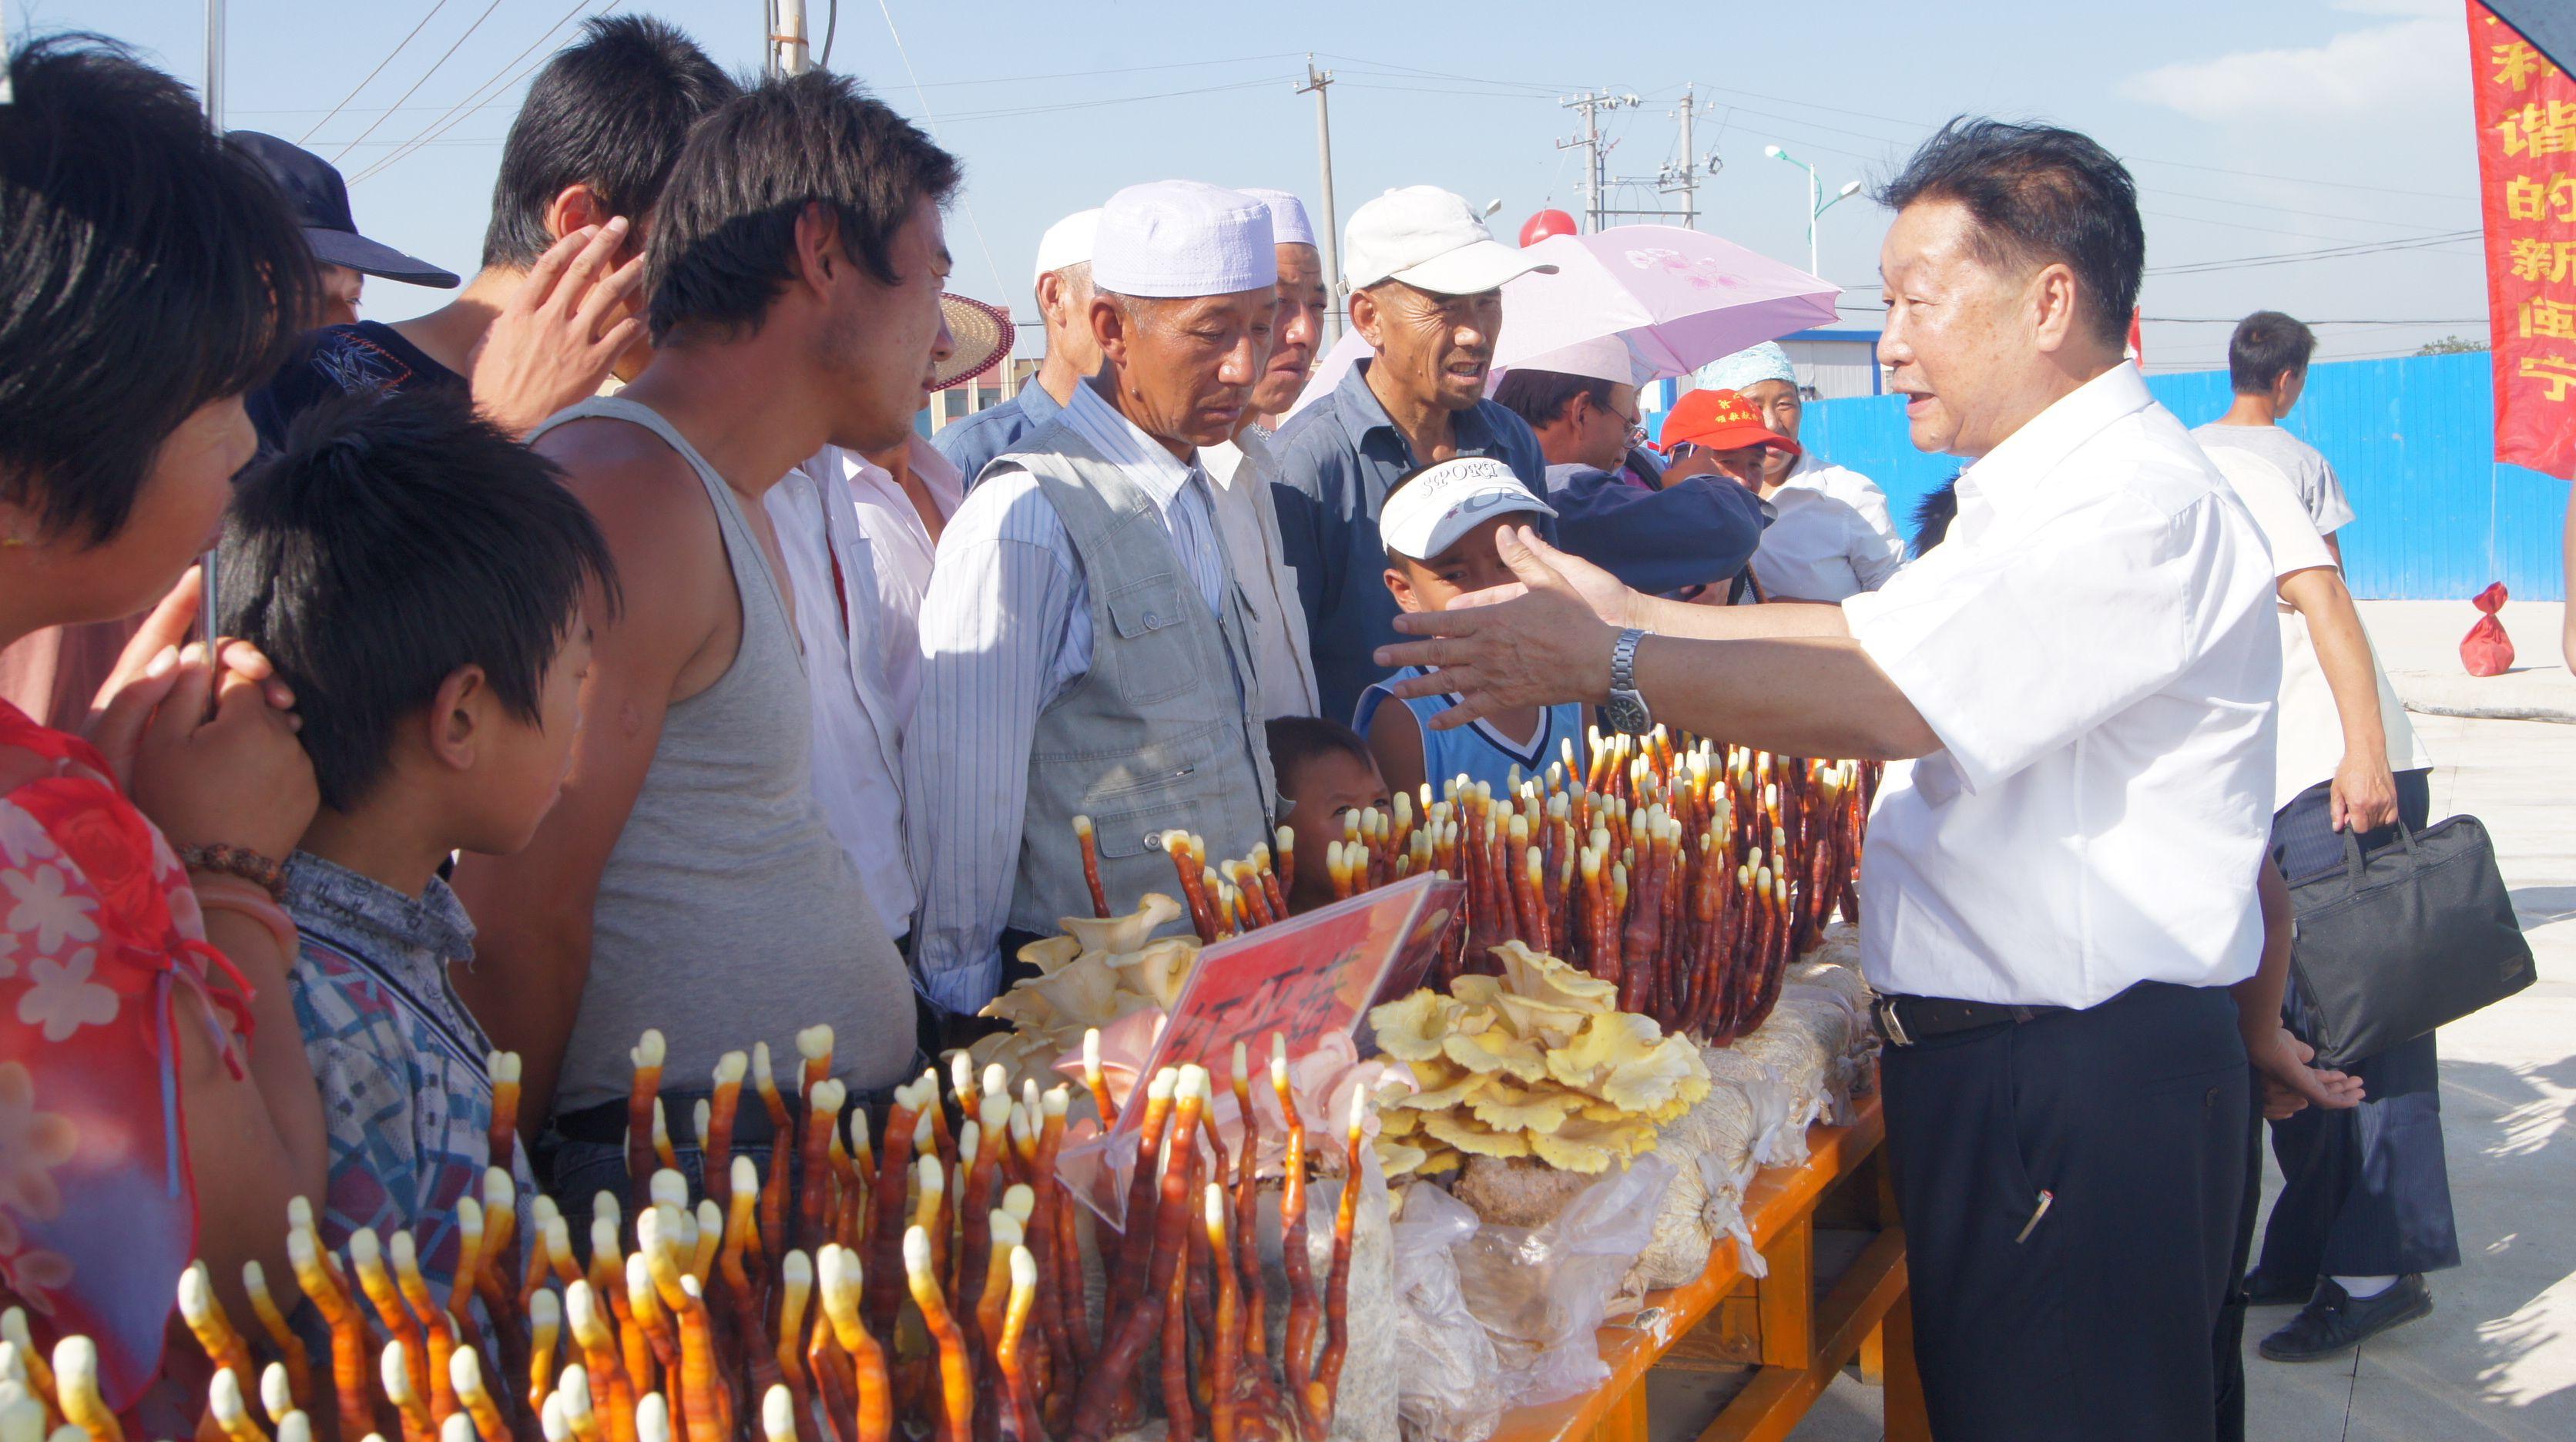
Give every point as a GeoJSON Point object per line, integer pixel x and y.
{"type": "Point", "coordinates": [1750, 366]}
{"type": "Point", "coordinates": [1288, 223]}
{"type": "Point", "coordinates": [1067, 242]}
{"type": "Point", "coordinates": [1183, 237]}
{"type": "Point", "coordinates": [1608, 358]}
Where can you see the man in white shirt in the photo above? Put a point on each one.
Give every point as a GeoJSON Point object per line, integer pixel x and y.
{"type": "Point", "coordinates": [2365, 1204]}
{"type": "Point", "coordinates": [1830, 536]}
{"type": "Point", "coordinates": [2056, 900]}
{"type": "Point", "coordinates": [858, 535]}
{"type": "Point", "coordinates": [2267, 368]}
{"type": "Point", "coordinates": [1244, 468]}
{"type": "Point", "coordinates": [1084, 647]}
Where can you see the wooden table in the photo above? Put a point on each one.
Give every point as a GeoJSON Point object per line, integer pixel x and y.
{"type": "Point", "coordinates": [1793, 1340]}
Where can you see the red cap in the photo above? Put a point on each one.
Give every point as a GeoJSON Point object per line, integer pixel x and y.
{"type": "Point", "coordinates": [1721, 421]}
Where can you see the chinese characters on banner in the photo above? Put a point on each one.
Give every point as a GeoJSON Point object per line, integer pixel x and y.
{"type": "Point", "coordinates": [2526, 109]}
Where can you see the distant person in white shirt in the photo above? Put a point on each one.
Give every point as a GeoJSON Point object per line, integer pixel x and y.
{"type": "Point", "coordinates": [2365, 1203]}
{"type": "Point", "coordinates": [858, 533]}
{"type": "Point", "coordinates": [1830, 536]}
{"type": "Point", "coordinates": [2057, 899]}
{"type": "Point", "coordinates": [1085, 650]}
{"type": "Point", "coordinates": [2267, 365]}
{"type": "Point", "coordinates": [1245, 468]}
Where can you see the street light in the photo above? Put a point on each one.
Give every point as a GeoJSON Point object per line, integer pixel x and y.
{"type": "Point", "coordinates": [1817, 204]}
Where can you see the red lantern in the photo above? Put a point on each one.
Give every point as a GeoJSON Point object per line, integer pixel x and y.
{"type": "Point", "coordinates": [1545, 224]}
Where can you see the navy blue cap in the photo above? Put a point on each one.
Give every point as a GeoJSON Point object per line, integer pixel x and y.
{"type": "Point", "coordinates": [321, 201]}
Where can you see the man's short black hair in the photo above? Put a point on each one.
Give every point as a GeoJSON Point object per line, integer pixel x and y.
{"type": "Point", "coordinates": [610, 111]}
{"type": "Point", "coordinates": [724, 241]}
{"type": "Point", "coordinates": [2266, 344]}
{"type": "Point", "coordinates": [2038, 194]}
{"type": "Point", "coordinates": [146, 269]}
{"type": "Point", "coordinates": [394, 540]}
{"type": "Point", "coordinates": [1540, 397]}
{"type": "Point", "coordinates": [1296, 741]}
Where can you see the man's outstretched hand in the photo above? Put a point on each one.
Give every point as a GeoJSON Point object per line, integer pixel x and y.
{"type": "Point", "coordinates": [559, 336]}
{"type": "Point", "coordinates": [1540, 641]}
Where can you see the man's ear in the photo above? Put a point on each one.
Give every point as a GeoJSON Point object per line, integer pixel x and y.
{"type": "Point", "coordinates": [818, 246]}
{"type": "Point", "coordinates": [1050, 294]}
{"type": "Point", "coordinates": [2054, 301]}
{"type": "Point", "coordinates": [574, 207]}
{"type": "Point", "coordinates": [458, 716]}
{"type": "Point", "coordinates": [1109, 326]}
{"type": "Point", "coordinates": [1365, 317]}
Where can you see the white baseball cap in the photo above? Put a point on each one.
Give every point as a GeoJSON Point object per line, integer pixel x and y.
{"type": "Point", "coordinates": [1431, 240]}
{"type": "Point", "coordinates": [1427, 514]}
{"type": "Point", "coordinates": [1067, 242]}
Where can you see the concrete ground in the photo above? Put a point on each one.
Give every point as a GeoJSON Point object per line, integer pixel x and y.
{"type": "Point", "coordinates": [2498, 1356]}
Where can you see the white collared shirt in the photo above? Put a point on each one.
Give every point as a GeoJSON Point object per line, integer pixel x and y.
{"type": "Point", "coordinates": [2311, 727]}
{"type": "Point", "coordinates": [1829, 537]}
{"type": "Point", "coordinates": [1242, 473]}
{"type": "Point", "coordinates": [2094, 645]}
{"type": "Point", "coordinates": [1005, 630]}
{"type": "Point", "coordinates": [845, 634]}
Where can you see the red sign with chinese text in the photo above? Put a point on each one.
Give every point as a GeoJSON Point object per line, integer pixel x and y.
{"type": "Point", "coordinates": [2526, 109]}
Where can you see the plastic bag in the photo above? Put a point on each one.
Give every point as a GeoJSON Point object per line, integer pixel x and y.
{"type": "Point", "coordinates": [1450, 1388]}
{"type": "Point", "coordinates": [2487, 650]}
{"type": "Point", "coordinates": [1542, 1292]}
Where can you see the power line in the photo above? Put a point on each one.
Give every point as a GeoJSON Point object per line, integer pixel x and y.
{"type": "Point", "coordinates": [969, 206]}
{"type": "Point", "coordinates": [2329, 253]}
{"type": "Point", "coordinates": [372, 74]}
{"type": "Point", "coordinates": [1015, 111]}
{"type": "Point", "coordinates": [478, 97]}
{"type": "Point", "coordinates": [424, 79]}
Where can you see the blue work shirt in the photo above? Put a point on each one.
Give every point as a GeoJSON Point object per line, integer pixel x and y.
{"type": "Point", "coordinates": [1337, 460]}
{"type": "Point", "coordinates": [1694, 532]}
{"type": "Point", "coordinates": [971, 442]}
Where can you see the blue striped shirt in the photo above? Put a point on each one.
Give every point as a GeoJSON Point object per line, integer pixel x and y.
{"type": "Point", "coordinates": [1005, 632]}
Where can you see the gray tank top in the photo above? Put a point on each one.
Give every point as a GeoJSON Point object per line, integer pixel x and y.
{"type": "Point", "coordinates": [727, 913]}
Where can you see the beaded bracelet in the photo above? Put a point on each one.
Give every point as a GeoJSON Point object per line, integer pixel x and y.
{"type": "Point", "coordinates": [241, 861]}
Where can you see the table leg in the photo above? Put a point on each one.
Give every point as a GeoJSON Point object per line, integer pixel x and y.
{"type": "Point", "coordinates": [1902, 1401]}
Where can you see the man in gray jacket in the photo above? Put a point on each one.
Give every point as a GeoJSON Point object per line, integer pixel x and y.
{"type": "Point", "coordinates": [1085, 648]}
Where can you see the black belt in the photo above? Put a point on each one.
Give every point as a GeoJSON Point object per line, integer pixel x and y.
{"type": "Point", "coordinates": [1905, 1020]}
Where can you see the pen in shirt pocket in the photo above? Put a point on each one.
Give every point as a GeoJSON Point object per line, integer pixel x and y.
{"type": "Point", "coordinates": [2045, 1197]}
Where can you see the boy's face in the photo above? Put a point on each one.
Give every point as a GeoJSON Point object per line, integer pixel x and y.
{"type": "Point", "coordinates": [1470, 565]}
{"type": "Point", "coordinates": [522, 770]}
{"type": "Point", "coordinates": [1326, 788]}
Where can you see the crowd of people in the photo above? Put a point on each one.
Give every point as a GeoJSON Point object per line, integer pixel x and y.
{"type": "Point", "coordinates": [609, 649]}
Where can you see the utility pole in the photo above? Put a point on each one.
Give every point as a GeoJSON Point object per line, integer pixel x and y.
{"type": "Point", "coordinates": [1590, 104]}
{"type": "Point", "coordinates": [1683, 175]}
{"type": "Point", "coordinates": [786, 43]}
{"type": "Point", "coordinates": [1318, 81]}
{"type": "Point", "coordinates": [215, 65]}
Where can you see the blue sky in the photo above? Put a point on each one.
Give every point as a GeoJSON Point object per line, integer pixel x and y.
{"type": "Point", "coordinates": [2256, 128]}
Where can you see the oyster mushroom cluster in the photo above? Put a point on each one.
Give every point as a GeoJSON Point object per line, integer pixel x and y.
{"type": "Point", "coordinates": [1100, 970]}
{"type": "Point", "coordinates": [1537, 1062]}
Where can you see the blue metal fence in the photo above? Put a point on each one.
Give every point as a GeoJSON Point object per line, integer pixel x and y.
{"type": "Point", "coordinates": [2436, 517]}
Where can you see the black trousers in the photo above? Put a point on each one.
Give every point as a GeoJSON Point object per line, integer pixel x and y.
{"type": "Point", "coordinates": [2095, 1320]}
{"type": "Point", "coordinates": [2365, 1192]}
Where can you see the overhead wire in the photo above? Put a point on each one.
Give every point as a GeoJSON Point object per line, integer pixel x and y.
{"type": "Point", "coordinates": [972, 223]}
{"type": "Point", "coordinates": [372, 74]}
{"type": "Point", "coordinates": [501, 83]}
{"type": "Point", "coordinates": [433, 69]}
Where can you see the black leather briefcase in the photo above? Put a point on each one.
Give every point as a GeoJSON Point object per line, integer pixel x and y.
{"type": "Point", "coordinates": [2414, 935]}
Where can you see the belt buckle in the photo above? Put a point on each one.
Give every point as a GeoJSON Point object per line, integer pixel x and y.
{"type": "Point", "coordinates": [1889, 1025]}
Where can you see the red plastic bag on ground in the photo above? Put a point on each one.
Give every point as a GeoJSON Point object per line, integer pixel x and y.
{"type": "Point", "coordinates": [2487, 650]}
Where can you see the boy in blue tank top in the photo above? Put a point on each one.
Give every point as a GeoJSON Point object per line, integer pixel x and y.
{"type": "Point", "coordinates": [1437, 525]}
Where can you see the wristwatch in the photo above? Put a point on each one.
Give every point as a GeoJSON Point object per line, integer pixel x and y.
{"type": "Point", "coordinates": [1627, 709]}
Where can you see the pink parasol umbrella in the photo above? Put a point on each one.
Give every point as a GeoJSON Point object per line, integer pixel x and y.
{"type": "Point", "coordinates": [1679, 298]}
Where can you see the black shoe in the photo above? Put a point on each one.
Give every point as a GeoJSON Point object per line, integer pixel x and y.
{"type": "Point", "coordinates": [2262, 1289]}
{"type": "Point", "coordinates": [2333, 1323]}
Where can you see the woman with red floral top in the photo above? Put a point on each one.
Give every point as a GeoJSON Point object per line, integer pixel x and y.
{"type": "Point", "coordinates": [154, 1099]}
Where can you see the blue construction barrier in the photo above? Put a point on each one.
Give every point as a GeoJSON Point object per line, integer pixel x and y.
{"type": "Point", "coordinates": [2436, 518]}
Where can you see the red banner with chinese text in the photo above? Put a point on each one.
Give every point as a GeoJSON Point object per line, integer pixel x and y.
{"type": "Point", "coordinates": [2526, 109]}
